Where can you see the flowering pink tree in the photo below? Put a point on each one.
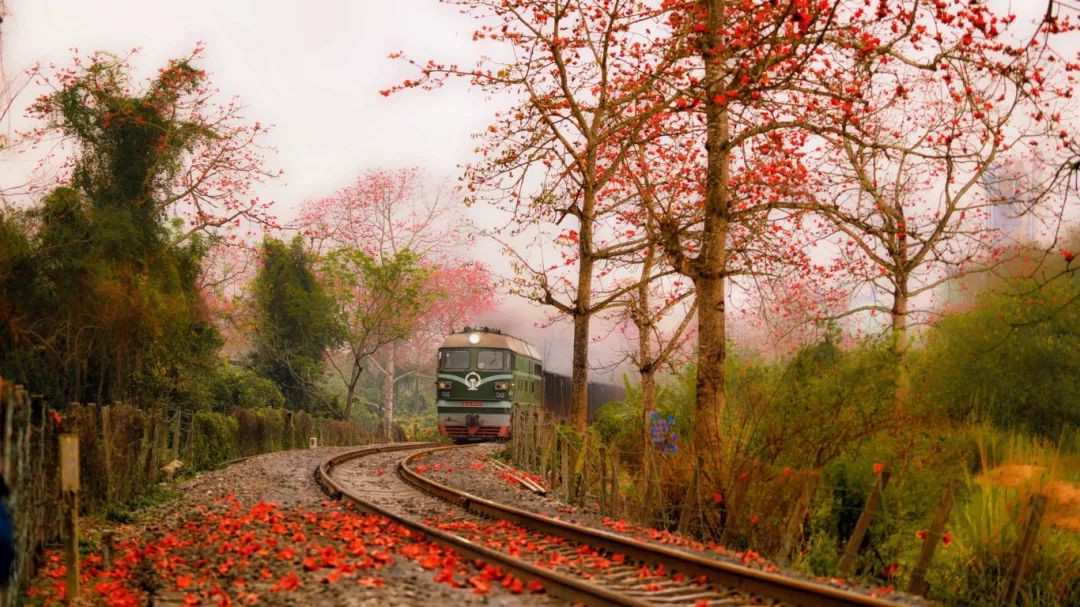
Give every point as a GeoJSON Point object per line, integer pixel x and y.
{"type": "Point", "coordinates": [385, 213]}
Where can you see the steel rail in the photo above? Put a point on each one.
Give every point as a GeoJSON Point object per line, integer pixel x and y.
{"type": "Point", "coordinates": [557, 584]}
{"type": "Point", "coordinates": [790, 590]}
{"type": "Point", "coordinates": [787, 589]}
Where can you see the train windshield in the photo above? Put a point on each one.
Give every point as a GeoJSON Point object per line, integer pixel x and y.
{"type": "Point", "coordinates": [491, 360]}
{"type": "Point", "coordinates": [454, 360]}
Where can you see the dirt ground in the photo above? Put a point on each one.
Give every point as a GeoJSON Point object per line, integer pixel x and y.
{"type": "Point", "coordinates": [262, 532]}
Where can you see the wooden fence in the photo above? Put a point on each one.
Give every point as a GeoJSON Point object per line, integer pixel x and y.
{"type": "Point", "coordinates": [122, 450]}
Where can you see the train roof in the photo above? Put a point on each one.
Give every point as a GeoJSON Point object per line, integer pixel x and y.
{"type": "Point", "coordinates": [491, 339]}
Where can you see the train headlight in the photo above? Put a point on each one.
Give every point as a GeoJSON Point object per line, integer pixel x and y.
{"type": "Point", "coordinates": [474, 338]}
{"type": "Point", "coordinates": [500, 386]}
{"type": "Point", "coordinates": [444, 385]}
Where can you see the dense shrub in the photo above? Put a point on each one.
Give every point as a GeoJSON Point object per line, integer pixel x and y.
{"type": "Point", "coordinates": [1012, 359]}
{"type": "Point", "coordinates": [214, 441]}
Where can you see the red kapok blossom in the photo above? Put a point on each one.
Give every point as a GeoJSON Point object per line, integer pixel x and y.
{"type": "Point", "coordinates": [56, 417]}
{"type": "Point", "coordinates": [878, 468]}
{"type": "Point", "coordinates": [1068, 256]}
{"type": "Point", "coordinates": [946, 538]}
{"type": "Point", "coordinates": [921, 534]}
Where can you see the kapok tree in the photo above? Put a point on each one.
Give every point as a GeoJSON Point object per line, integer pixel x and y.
{"type": "Point", "coordinates": [582, 77]}
{"type": "Point", "coordinates": [388, 212]}
{"type": "Point", "coordinates": [747, 112]}
{"type": "Point", "coordinates": [928, 154]}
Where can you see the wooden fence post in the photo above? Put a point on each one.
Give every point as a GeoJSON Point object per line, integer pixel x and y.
{"type": "Point", "coordinates": [603, 481]}
{"type": "Point", "coordinates": [690, 507]}
{"type": "Point", "coordinates": [798, 514]}
{"type": "Point", "coordinates": [918, 584]}
{"type": "Point", "coordinates": [565, 453]}
{"type": "Point", "coordinates": [1036, 505]}
{"type": "Point", "coordinates": [614, 482]}
{"type": "Point", "coordinates": [175, 451]}
{"type": "Point", "coordinates": [106, 450]}
{"type": "Point", "coordinates": [69, 486]}
{"type": "Point", "coordinates": [852, 549]}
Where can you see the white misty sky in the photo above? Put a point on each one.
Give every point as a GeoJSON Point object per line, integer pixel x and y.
{"type": "Point", "coordinates": [313, 69]}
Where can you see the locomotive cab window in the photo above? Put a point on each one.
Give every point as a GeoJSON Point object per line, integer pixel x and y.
{"type": "Point", "coordinates": [454, 360]}
{"type": "Point", "coordinates": [491, 360]}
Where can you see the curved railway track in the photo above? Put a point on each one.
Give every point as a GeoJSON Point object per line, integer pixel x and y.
{"type": "Point", "coordinates": [382, 483]}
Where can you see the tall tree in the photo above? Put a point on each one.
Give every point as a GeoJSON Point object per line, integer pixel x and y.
{"type": "Point", "coordinates": [942, 150]}
{"type": "Point", "coordinates": [166, 152]}
{"type": "Point", "coordinates": [115, 313]}
{"type": "Point", "coordinates": [293, 323]}
{"type": "Point", "coordinates": [388, 212]}
{"type": "Point", "coordinates": [583, 80]}
{"type": "Point", "coordinates": [376, 302]}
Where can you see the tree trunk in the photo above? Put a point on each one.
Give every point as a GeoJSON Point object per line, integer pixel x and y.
{"type": "Point", "coordinates": [712, 353]}
{"type": "Point", "coordinates": [710, 267]}
{"type": "Point", "coordinates": [900, 347]}
{"type": "Point", "coordinates": [579, 377]}
{"type": "Point", "coordinates": [646, 368]}
{"type": "Point", "coordinates": [350, 389]}
{"type": "Point", "coordinates": [388, 394]}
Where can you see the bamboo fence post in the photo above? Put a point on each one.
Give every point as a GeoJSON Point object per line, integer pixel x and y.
{"type": "Point", "coordinates": [526, 430]}
{"type": "Point", "coordinates": [534, 441]}
{"type": "Point", "coordinates": [8, 399]}
{"type": "Point", "coordinates": [515, 437]}
{"type": "Point", "coordinates": [861, 526]}
{"type": "Point", "coordinates": [1036, 506]}
{"type": "Point", "coordinates": [918, 584]}
{"type": "Point", "coordinates": [551, 459]}
{"type": "Point", "coordinates": [691, 498]}
{"type": "Point", "coordinates": [585, 479]}
{"type": "Point", "coordinates": [523, 440]}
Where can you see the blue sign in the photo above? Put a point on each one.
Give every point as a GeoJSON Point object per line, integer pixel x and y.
{"type": "Point", "coordinates": [662, 433]}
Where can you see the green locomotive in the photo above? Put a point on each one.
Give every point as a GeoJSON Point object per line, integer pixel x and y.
{"type": "Point", "coordinates": [482, 375]}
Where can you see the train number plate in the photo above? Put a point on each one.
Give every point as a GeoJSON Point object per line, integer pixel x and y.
{"type": "Point", "coordinates": [471, 403]}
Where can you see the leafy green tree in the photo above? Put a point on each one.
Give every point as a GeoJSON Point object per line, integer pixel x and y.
{"type": "Point", "coordinates": [294, 324]}
{"type": "Point", "coordinates": [100, 279]}
{"type": "Point", "coordinates": [376, 302]}
{"type": "Point", "coordinates": [1011, 359]}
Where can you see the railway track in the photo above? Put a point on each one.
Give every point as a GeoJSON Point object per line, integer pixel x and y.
{"type": "Point", "coordinates": [379, 481]}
